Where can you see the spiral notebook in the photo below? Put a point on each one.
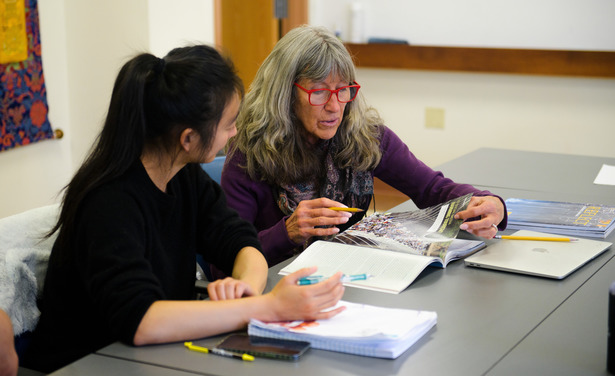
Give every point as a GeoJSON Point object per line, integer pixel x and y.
{"type": "Point", "coordinates": [361, 329]}
{"type": "Point", "coordinates": [539, 258]}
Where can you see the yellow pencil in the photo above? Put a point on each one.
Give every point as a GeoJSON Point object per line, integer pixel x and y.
{"type": "Point", "coordinates": [540, 238]}
{"type": "Point", "coordinates": [352, 210]}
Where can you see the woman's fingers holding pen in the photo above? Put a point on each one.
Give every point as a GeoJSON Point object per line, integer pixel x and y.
{"type": "Point", "coordinates": [316, 289]}
{"type": "Point", "coordinates": [327, 294]}
{"type": "Point", "coordinates": [294, 277]}
{"type": "Point", "coordinates": [314, 218]}
{"type": "Point", "coordinates": [295, 302]}
{"type": "Point", "coordinates": [322, 297]}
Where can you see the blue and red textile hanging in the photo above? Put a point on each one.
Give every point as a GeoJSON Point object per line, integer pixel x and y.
{"type": "Point", "coordinates": [23, 97]}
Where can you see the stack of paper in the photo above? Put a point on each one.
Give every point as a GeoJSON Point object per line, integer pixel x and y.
{"type": "Point", "coordinates": [360, 329]}
{"type": "Point", "coordinates": [565, 218]}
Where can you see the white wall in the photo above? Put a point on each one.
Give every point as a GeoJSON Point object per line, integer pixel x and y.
{"type": "Point", "coordinates": [102, 36]}
{"type": "Point", "coordinates": [536, 113]}
{"type": "Point", "coordinates": [84, 45]}
{"type": "Point", "coordinates": [569, 115]}
{"type": "Point", "coordinates": [188, 22]}
{"type": "Point", "coordinates": [543, 24]}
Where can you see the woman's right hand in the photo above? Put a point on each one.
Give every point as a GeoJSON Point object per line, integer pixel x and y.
{"type": "Point", "coordinates": [313, 218]}
{"type": "Point", "coordinates": [294, 302]}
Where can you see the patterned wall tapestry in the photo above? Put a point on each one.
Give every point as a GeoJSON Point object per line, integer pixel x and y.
{"type": "Point", "coordinates": [23, 106]}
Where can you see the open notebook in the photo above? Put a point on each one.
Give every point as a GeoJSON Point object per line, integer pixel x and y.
{"type": "Point", "coordinates": [540, 258]}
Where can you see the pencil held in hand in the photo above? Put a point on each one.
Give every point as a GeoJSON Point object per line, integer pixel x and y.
{"type": "Point", "coordinates": [351, 210]}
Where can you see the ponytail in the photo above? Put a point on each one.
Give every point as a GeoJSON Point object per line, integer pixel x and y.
{"type": "Point", "coordinates": [152, 102]}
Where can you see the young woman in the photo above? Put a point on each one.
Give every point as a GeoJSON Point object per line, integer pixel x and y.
{"type": "Point", "coordinates": [138, 211]}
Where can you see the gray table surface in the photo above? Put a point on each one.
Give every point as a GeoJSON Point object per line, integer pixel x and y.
{"type": "Point", "coordinates": [483, 316]}
{"type": "Point", "coordinates": [95, 364]}
{"type": "Point", "coordinates": [572, 340]}
{"type": "Point", "coordinates": [489, 322]}
{"type": "Point", "coordinates": [532, 171]}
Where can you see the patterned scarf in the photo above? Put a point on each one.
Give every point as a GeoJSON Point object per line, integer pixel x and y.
{"type": "Point", "coordinates": [350, 187]}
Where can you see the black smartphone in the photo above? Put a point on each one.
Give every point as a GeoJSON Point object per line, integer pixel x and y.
{"type": "Point", "coordinates": [264, 347]}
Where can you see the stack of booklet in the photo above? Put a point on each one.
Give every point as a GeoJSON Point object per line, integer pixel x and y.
{"type": "Point", "coordinates": [360, 329]}
{"type": "Point", "coordinates": [392, 248]}
{"type": "Point", "coordinates": [565, 218]}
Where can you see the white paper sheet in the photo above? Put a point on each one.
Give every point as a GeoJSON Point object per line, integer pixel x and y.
{"type": "Point", "coordinates": [606, 176]}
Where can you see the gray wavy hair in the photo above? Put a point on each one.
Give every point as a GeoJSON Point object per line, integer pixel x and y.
{"type": "Point", "coordinates": [272, 137]}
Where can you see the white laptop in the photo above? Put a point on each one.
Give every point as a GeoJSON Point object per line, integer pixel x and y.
{"type": "Point", "coordinates": [540, 258]}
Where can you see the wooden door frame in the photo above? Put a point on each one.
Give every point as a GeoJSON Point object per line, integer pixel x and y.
{"type": "Point", "coordinates": [297, 15]}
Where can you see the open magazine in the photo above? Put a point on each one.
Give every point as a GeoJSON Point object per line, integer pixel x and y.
{"type": "Point", "coordinates": [392, 248]}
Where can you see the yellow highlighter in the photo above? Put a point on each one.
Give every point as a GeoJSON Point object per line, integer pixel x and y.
{"type": "Point", "coordinates": [213, 350]}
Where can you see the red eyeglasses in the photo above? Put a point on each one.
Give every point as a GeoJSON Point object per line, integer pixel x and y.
{"type": "Point", "coordinates": [319, 97]}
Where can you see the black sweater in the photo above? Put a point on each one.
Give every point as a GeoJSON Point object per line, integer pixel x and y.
{"type": "Point", "coordinates": [132, 245]}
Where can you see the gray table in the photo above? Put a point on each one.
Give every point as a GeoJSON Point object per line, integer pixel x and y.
{"type": "Point", "coordinates": [532, 171]}
{"type": "Point", "coordinates": [572, 340]}
{"type": "Point", "coordinates": [482, 317]}
{"type": "Point", "coordinates": [95, 364]}
{"type": "Point", "coordinates": [489, 322]}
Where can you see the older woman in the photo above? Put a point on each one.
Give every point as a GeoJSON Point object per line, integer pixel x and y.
{"type": "Point", "coordinates": [307, 141]}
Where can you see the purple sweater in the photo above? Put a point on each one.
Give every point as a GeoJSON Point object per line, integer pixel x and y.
{"type": "Point", "coordinates": [255, 202]}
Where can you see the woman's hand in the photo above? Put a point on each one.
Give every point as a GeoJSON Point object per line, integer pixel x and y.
{"type": "Point", "coordinates": [9, 363]}
{"type": "Point", "coordinates": [251, 268]}
{"type": "Point", "coordinates": [294, 302]}
{"type": "Point", "coordinates": [249, 277]}
{"type": "Point", "coordinates": [313, 218]}
{"type": "Point", "coordinates": [491, 212]}
{"type": "Point", "coordinates": [229, 288]}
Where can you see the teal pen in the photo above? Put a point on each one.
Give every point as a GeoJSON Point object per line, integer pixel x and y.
{"type": "Point", "coordinates": [310, 280]}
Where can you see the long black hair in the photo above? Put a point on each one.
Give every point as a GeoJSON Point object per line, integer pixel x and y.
{"type": "Point", "coordinates": [152, 102]}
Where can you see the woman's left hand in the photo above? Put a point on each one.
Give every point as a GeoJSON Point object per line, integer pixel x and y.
{"type": "Point", "coordinates": [229, 288]}
{"type": "Point", "coordinates": [489, 209]}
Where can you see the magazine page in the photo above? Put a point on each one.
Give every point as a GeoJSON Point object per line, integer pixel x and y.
{"type": "Point", "coordinates": [427, 232]}
{"type": "Point", "coordinates": [389, 271]}
{"type": "Point", "coordinates": [461, 248]}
